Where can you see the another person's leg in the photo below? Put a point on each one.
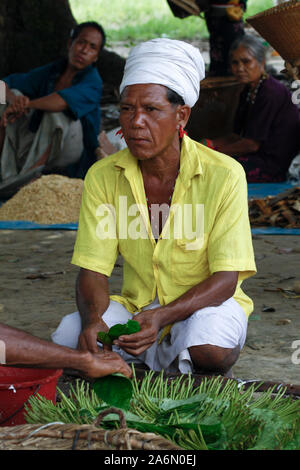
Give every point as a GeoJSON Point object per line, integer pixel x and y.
{"type": "Point", "coordinates": [71, 144]}
{"type": "Point", "coordinates": [15, 142]}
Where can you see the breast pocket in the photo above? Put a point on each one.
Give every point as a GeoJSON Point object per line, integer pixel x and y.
{"type": "Point", "coordinates": [189, 263]}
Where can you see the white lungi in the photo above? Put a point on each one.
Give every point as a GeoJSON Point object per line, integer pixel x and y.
{"type": "Point", "coordinates": [224, 325]}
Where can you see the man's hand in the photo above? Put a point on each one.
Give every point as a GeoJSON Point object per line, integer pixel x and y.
{"type": "Point", "coordinates": [9, 116]}
{"type": "Point", "coordinates": [17, 107]}
{"type": "Point", "coordinates": [19, 104]}
{"type": "Point", "coordinates": [23, 349]}
{"type": "Point", "coordinates": [136, 343]}
{"type": "Point", "coordinates": [92, 299]}
{"type": "Point", "coordinates": [105, 363]}
{"type": "Point", "coordinates": [87, 340]}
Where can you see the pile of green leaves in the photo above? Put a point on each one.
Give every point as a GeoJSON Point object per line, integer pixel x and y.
{"type": "Point", "coordinates": [213, 415]}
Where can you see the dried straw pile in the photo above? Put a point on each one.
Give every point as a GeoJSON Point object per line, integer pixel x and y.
{"type": "Point", "coordinates": [51, 199]}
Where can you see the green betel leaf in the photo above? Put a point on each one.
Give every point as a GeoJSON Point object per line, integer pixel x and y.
{"type": "Point", "coordinates": [128, 328]}
{"type": "Point", "coordinates": [117, 330]}
{"type": "Point", "coordinates": [104, 337]}
{"type": "Point", "coordinates": [133, 326]}
{"type": "Point", "coordinates": [115, 390]}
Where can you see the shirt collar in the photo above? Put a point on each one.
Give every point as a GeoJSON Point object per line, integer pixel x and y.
{"type": "Point", "coordinates": [59, 66]}
{"type": "Point", "coordinates": [190, 164]}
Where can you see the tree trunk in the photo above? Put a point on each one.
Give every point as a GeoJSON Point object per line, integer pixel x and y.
{"type": "Point", "coordinates": [35, 32]}
{"type": "Point", "coordinates": [32, 33]}
{"type": "Point", "coordinates": [111, 67]}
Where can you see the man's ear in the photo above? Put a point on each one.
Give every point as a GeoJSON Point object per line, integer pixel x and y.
{"type": "Point", "coordinates": [183, 114]}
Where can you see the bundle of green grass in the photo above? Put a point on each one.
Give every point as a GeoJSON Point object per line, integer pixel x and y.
{"type": "Point", "coordinates": [215, 415]}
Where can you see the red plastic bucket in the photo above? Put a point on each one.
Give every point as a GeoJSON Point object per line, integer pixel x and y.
{"type": "Point", "coordinates": [17, 385]}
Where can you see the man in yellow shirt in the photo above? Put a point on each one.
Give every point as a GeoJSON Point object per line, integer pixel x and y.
{"type": "Point", "coordinates": [177, 212]}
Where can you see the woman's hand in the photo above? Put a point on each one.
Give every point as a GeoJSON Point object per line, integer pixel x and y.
{"type": "Point", "coordinates": [136, 343]}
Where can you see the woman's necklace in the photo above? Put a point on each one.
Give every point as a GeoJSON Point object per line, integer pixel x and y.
{"type": "Point", "coordinates": [251, 96]}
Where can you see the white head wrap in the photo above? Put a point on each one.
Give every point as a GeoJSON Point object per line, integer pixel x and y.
{"type": "Point", "coordinates": [174, 64]}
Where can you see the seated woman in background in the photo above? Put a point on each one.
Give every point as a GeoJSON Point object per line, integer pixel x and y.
{"type": "Point", "coordinates": [266, 134]}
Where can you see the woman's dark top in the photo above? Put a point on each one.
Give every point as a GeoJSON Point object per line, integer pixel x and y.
{"type": "Point", "coordinates": [273, 121]}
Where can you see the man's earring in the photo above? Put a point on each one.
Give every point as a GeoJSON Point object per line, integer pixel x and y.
{"type": "Point", "coordinates": [120, 133]}
{"type": "Point", "coordinates": [182, 132]}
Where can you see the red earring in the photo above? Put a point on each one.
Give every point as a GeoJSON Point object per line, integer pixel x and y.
{"type": "Point", "coordinates": [182, 132]}
{"type": "Point", "coordinates": [120, 133]}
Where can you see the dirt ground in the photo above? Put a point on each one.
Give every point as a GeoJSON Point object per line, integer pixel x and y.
{"type": "Point", "coordinates": [37, 289]}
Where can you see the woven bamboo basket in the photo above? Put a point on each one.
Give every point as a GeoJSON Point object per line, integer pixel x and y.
{"type": "Point", "coordinates": [58, 436]}
{"type": "Point", "coordinates": [280, 26]}
{"type": "Point", "coordinates": [190, 6]}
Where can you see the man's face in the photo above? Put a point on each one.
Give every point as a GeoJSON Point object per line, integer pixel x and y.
{"type": "Point", "coordinates": [149, 121]}
{"type": "Point", "coordinates": [85, 48]}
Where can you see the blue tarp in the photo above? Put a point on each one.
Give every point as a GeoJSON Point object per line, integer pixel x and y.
{"type": "Point", "coordinates": [25, 225]}
{"type": "Point", "coordinates": [261, 190]}
{"type": "Point", "coordinates": [254, 191]}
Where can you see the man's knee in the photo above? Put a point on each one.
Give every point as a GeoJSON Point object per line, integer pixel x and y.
{"type": "Point", "coordinates": [213, 359]}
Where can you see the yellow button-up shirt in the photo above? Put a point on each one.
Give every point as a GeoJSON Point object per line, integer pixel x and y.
{"type": "Point", "coordinates": [207, 229]}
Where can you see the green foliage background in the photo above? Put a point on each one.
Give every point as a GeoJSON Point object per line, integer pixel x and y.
{"type": "Point", "coordinates": [135, 20]}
